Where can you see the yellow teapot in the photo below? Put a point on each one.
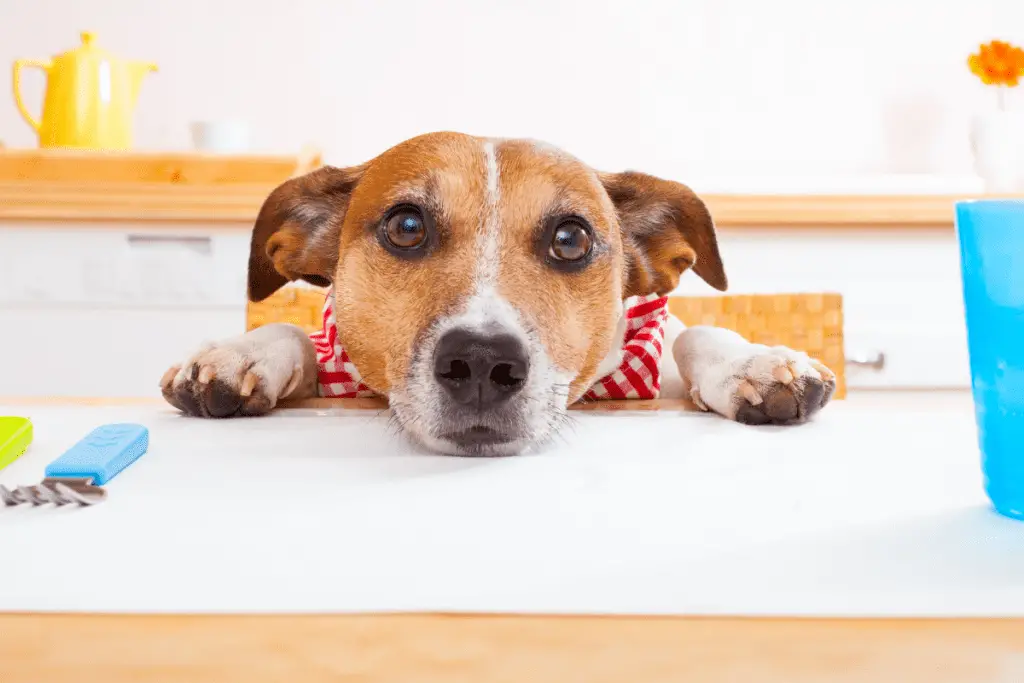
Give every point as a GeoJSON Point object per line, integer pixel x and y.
{"type": "Point", "coordinates": [90, 98]}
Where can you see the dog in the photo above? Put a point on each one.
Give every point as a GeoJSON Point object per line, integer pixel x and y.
{"type": "Point", "coordinates": [484, 285]}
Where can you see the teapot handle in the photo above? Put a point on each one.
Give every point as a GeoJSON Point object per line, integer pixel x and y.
{"type": "Point", "coordinates": [18, 63]}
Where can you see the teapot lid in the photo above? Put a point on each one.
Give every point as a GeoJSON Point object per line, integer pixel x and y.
{"type": "Point", "coordinates": [88, 47]}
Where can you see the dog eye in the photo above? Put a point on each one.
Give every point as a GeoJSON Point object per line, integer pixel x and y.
{"type": "Point", "coordinates": [571, 241]}
{"type": "Point", "coordinates": [405, 229]}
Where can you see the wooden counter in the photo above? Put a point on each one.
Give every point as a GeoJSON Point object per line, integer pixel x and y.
{"type": "Point", "coordinates": [66, 185]}
{"type": "Point", "coordinates": [239, 203]}
{"type": "Point", "coordinates": [826, 211]}
{"type": "Point", "coordinates": [48, 185]}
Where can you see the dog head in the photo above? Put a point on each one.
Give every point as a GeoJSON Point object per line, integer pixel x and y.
{"type": "Point", "coordinates": [479, 282]}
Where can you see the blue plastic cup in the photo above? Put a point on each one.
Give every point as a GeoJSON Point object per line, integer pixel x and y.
{"type": "Point", "coordinates": [991, 236]}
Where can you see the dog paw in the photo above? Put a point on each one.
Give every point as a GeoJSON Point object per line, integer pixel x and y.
{"type": "Point", "coordinates": [225, 381]}
{"type": "Point", "coordinates": [768, 386]}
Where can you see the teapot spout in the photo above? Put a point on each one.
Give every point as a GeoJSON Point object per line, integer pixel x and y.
{"type": "Point", "coordinates": [138, 71]}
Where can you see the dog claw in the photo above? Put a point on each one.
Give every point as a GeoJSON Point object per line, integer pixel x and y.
{"type": "Point", "coordinates": [249, 383]}
{"type": "Point", "coordinates": [748, 392]}
{"type": "Point", "coordinates": [697, 401]}
{"type": "Point", "coordinates": [783, 375]}
{"type": "Point", "coordinates": [206, 374]}
{"type": "Point", "coordinates": [826, 374]}
{"type": "Point", "coordinates": [169, 376]}
{"type": "Point", "coordinates": [293, 381]}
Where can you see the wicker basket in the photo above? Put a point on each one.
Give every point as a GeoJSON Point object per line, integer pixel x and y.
{"type": "Point", "coordinates": [812, 323]}
{"type": "Point", "coordinates": [806, 322]}
{"type": "Point", "coordinates": [300, 306]}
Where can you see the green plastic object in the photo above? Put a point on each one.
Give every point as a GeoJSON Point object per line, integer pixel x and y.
{"type": "Point", "coordinates": [15, 436]}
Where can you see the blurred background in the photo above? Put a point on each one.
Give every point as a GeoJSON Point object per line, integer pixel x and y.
{"type": "Point", "coordinates": [696, 89]}
{"type": "Point", "coordinates": [829, 138]}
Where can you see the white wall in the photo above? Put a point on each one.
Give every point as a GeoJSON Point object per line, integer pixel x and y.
{"type": "Point", "coordinates": [683, 87]}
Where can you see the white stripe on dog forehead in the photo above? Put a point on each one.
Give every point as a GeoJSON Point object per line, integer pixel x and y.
{"type": "Point", "coordinates": [492, 172]}
{"type": "Point", "coordinates": [485, 307]}
{"type": "Point", "coordinates": [488, 252]}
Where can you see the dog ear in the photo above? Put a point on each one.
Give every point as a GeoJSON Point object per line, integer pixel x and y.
{"type": "Point", "coordinates": [297, 230]}
{"type": "Point", "coordinates": [666, 229]}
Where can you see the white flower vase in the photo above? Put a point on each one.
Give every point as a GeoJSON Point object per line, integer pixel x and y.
{"type": "Point", "coordinates": [997, 140]}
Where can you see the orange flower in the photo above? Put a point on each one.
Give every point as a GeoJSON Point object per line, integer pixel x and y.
{"type": "Point", "coordinates": [998, 63]}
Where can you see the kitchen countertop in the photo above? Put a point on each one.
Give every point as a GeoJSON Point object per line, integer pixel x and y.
{"type": "Point", "coordinates": [84, 186]}
{"type": "Point", "coordinates": [200, 190]}
{"type": "Point", "coordinates": [236, 207]}
{"type": "Point", "coordinates": [768, 540]}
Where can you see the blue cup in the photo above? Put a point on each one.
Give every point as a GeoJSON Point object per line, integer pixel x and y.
{"type": "Point", "coordinates": [991, 237]}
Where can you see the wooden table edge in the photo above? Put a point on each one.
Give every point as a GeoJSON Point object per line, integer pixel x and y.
{"type": "Point", "coordinates": [443, 647]}
{"type": "Point", "coordinates": [41, 647]}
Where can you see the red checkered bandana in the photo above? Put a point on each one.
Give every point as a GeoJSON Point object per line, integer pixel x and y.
{"type": "Point", "coordinates": [637, 376]}
{"type": "Point", "coordinates": [336, 376]}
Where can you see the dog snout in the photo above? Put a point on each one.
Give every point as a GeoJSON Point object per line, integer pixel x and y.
{"type": "Point", "coordinates": [478, 369]}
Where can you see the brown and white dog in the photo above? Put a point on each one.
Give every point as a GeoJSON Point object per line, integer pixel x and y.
{"type": "Point", "coordinates": [479, 287]}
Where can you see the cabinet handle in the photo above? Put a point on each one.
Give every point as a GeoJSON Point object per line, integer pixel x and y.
{"type": "Point", "coordinates": [875, 361]}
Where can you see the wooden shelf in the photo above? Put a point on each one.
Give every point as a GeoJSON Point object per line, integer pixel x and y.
{"type": "Point", "coordinates": [173, 168]}
{"type": "Point", "coordinates": [827, 211]}
{"type": "Point", "coordinates": [239, 203]}
{"type": "Point", "coordinates": [88, 186]}
{"type": "Point", "coordinates": [139, 202]}
{"type": "Point", "coordinates": [149, 187]}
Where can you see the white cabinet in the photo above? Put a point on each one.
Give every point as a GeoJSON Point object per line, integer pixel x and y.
{"type": "Point", "coordinates": [122, 266]}
{"type": "Point", "coordinates": [114, 351]}
{"type": "Point", "coordinates": [103, 310]}
{"type": "Point", "coordinates": [901, 295]}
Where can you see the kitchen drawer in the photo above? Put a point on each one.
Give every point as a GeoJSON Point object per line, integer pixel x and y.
{"type": "Point", "coordinates": [902, 303]}
{"type": "Point", "coordinates": [63, 351]}
{"type": "Point", "coordinates": [900, 358]}
{"type": "Point", "coordinates": [164, 267]}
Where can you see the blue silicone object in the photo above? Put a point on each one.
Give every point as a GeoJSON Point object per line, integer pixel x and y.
{"type": "Point", "coordinates": [991, 237]}
{"type": "Point", "coordinates": [104, 453]}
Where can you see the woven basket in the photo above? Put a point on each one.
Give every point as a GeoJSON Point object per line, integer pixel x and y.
{"type": "Point", "coordinates": [812, 323]}
{"type": "Point", "coordinates": [300, 306]}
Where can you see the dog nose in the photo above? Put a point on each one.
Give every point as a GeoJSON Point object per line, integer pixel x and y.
{"type": "Point", "coordinates": [480, 369]}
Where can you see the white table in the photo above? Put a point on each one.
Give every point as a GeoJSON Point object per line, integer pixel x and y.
{"type": "Point", "coordinates": [875, 509]}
